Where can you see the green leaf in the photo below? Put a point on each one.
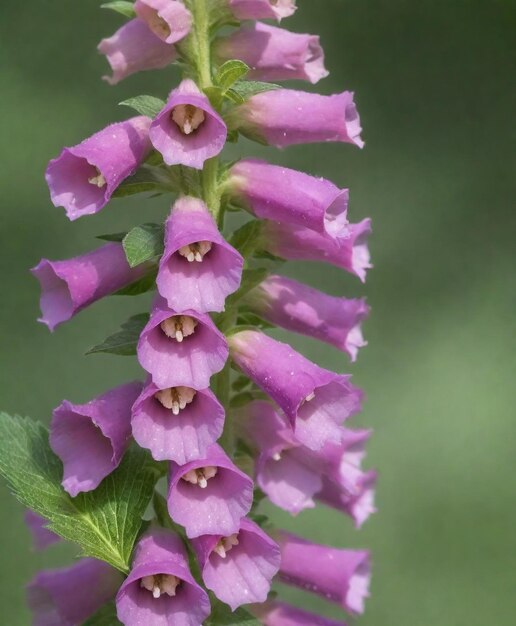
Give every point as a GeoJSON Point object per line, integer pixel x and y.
{"type": "Point", "coordinates": [248, 318]}
{"type": "Point", "coordinates": [144, 105]}
{"type": "Point", "coordinates": [105, 617]}
{"type": "Point", "coordinates": [247, 88]}
{"type": "Point", "coordinates": [112, 237]}
{"type": "Point", "coordinates": [124, 341]}
{"type": "Point", "coordinates": [229, 72]}
{"type": "Point", "coordinates": [120, 6]}
{"type": "Point", "coordinates": [234, 96]}
{"type": "Point", "coordinates": [147, 178]}
{"type": "Point", "coordinates": [247, 237]}
{"type": "Point", "coordinates": [143, 243]}
{"type": "Point", "coordinates": [104, 522]}
{"type": "Point", "coordinates": [144, 284]}
{"type": "Point", "coordinates": [222, 615]}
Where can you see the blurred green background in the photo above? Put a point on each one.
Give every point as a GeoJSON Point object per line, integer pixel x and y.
{"type": "Point", "coordinates": [435, 89]}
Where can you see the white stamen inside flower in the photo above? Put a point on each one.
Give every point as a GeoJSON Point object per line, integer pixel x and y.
{"type": "Point", "coordinates": [175, 398]}
{"type": "Point", "coordinates": [225, 544]}
{"type": "Point", "coordinates": [160, 584]}
{"type": "Point", "coordinates": [188, 118]}
{"type": "Point", "coordinates": [310, 396]}
{"type": "Point", "coordinates": [178, 327]}
{"type": "Point", "coordinates": [98, 180]}
{"type": "Point", "coordinates": [195, 251]}
{"type": "Point", "coordinates": [276, 456]}
{"type": "Point", "coordinates": [200, 476]}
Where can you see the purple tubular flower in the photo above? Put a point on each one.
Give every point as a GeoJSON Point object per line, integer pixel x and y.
{"type": "Point", "coordinates": [69, 286]}
{"type": "Point", "coordinates": [188, 130]}
{"type": "Point", "coordinates": [292, 475]}
{"type": "Point", "coordinates": [262, 9]}
{"type": "Point", "coordinates": [90, 439]}
{"type": "Point", "coordinates": [209, 496]}
{"type": "Point", "coordinates": [290, 197]}
{"type": "Point", "coordinates": [274, 53]}
{"type": "Point", "coordinates": [296, 307]}
{"type": "Point", "coordinates": [359, 505]}
{"type": "Point", "coordinates": [177, 424]}
{"type": "Point", "coordinates": [169, 20]}
{"type": "Point", "coordinates": [288, 483]}
{"type": "Point", "coordinates": [315, 401]}
{"type": "Point", "coordinates": [70, 595]}
{"type": "Point", "coordinates": [41, 536]}
{"type": "Point", "coordinates": [160, 590]}
{"type": "Point", "coordinates": [198, 269]}
{"type": "Point", "coordinates": [82, 178]}
{"type": "Point", "coordinates": [181, 348]}
{"type": "Point", "coordinates": [281, 614]}
{"type": "Point", "coordinates": [284, 117]}
{"type": "Point", "coordinates": [238, 568]}
{"type": "Point", "coordinates": [341, 576]}
{"type": "Point", "coordinates": [296, 243]}
{"type": "Point", "coordinates": [134, 48]}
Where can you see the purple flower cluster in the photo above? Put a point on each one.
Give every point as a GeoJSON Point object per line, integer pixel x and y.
{"type": "Point", "coordinates": [285, 431]}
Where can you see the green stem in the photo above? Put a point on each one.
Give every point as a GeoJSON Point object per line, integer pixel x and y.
{"type": "Point", "coordinates": [222, 389]}
{"type": "Point", "coordinates": [201, 33]}
{"type": "Point", "coordinates": [202, 45]}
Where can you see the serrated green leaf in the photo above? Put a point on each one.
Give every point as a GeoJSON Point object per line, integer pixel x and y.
{"type": "Point", "coordinates": [124, 341]}
{"type": "Point", "coordinates": [104, 522]}
{"type": "Point", "coordinates": [248, 88]}
{"type": "Point", "coordinates": [230, 72]}
{"type": "Point", "coordinates": [144, 284]}
{"type": "Point", "coordinates": [143, 243]}
{"type": "Point", "coordinates": [105, 617]}
{"type": "Point", "coordinates": [120, 6]}
{"type": "Point", "coordinates": [112, 237]}
{"type": "Point", "coordinates": [222, 615]}
{"type": "Point", "coordinates": [144, 105]}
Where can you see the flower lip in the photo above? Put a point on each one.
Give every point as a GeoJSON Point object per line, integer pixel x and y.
{"type": "Point", "coordinates": [212, 502]}
{"type": "Point", "coordinates": [177, 424]}
{"type": "Point", "coordinates": [181, 348]}
{"type": "Point", "coordinates": [188, 109]}
{"type": "Point", "coordinates": [169, 20]}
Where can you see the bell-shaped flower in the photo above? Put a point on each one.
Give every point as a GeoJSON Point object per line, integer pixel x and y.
{"type": "Point", "coordinates": [71, 595]}
{"type": "Point", "coordinates": [82, 178]}
{"type": "Point", "coordinates": [209, 496]}
{"type": "Point", "coordinates": [276, 613]}
{"type": "Point", "coordinates": [341, 576]}
{"type": "Point", "coordinates": [177, 423]}
{"type": "Point", "coordinates": [238, 568]}
{"type": "Point", "coordinates": [315, 401]}
{"type": "Point", "coordinates": [134, 48]}
{"type": "Point", "coordinates": [42, 537]}
{"type": "Point", "coordinates": [285, 117]}
{"type": "Point", "coordinates": [301, 309]}
{"type": "Point", "coordinates": [188, 130]}
{"type": "Point", "coordinates": [160, 590]}
{"type": "Point", "coordinates": [358, 504]}
{"type": "Point", "coordinates": [67, 287]}
{"type": "Point", "coordinates": [262, 9]}
{"type": "Point", "coordinates": [181, 348]}
{"type": "Point", "coordinates": [169, 20]}
{"type": "Point", "coordinates": [350, 253]}
{"type": "Point", "coordinates": [289, 483]}
{"type": "Point", "coordinates": [198, 269]}
{"type": "Point", "coordinates": [274, 53]}
{"type": "Point", "coordinates": [90, 439]}
{"type": "Point", "coordinates": [293, 198]}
